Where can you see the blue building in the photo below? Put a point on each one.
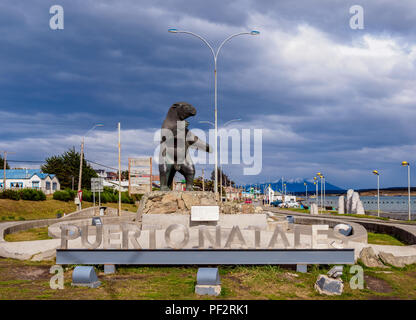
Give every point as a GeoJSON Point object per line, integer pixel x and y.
{"type": "Point", "coordinates": [30, 178]}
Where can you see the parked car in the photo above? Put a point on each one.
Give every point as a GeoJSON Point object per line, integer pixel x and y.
{"type": "Point", "coordinates": [275, 203]}
{"type": "Point", "coordinates": [289, 204]}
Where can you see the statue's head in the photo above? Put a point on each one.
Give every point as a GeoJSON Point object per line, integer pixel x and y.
{"type": "Point", "coordinates": [184, 110]}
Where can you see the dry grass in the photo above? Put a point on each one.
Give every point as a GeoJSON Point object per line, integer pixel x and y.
{"type": "Point", "coordinates": [11, 210]}
{"type": "Point", "coordinates": [28, 235]}
{"type": "Point", "coordinates": [30, 280]}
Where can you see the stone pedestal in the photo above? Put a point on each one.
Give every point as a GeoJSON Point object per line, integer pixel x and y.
{"type": "Point", "coordinates": [181, 202]}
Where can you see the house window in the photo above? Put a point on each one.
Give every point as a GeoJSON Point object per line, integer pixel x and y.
{"type": "Point", "coordinates": [48, 185]}
{"type": "Point", "coordinates": [16, 185]}
{"type": "Point", "coordinates": [54, 186]}
{"type": "Point", "coordinates": [35, 184]}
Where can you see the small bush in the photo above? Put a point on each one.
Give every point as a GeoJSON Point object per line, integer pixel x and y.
{"type": "Point", "coordinates": [32, 194]}
{"type": "Point", "coordinates": [10, 194]}
{"type": "Point", "coordinates": [62, 196]}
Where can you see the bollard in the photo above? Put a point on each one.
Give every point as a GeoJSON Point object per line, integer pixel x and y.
{"type": "Point", "coordinates": [290, 219]}
{"type": "Point", "coordinates": [85, 276]}
{"type": "Point", "coordinates": [208, 282]}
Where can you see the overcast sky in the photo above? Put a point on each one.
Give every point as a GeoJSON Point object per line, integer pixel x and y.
{"type": "Point", "coordinates": [328, 98]}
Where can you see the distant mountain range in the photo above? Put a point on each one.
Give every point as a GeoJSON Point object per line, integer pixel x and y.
{"type": "Point", "coordinates": [296, 186]}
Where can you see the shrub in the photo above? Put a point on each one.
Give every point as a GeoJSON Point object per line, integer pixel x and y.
{"type": "Point", "coordinates": [62, 196]}
{"type": "Point", "coordinates": [10, 194]}
{"type": "Point", "coordinates": [32, 194]}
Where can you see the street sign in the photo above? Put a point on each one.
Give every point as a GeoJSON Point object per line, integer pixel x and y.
{"type": "Point", "coordinates": [140, 175]}
{"type": "Point", "coordinates": [80, 195]}
{"type": "Point", "coordinates": [97, 185]}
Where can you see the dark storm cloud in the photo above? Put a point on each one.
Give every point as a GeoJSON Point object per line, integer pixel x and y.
{"type": "Point", "coordinates": [327, 97]}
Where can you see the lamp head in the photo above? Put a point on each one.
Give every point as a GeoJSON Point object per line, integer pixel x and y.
{"type": "Point", "coordinates": [375, 172]}
{"type": "Point", "coordinates": [255, 33]}
{"type": "Point", "coordinates": [173, 30]}
{"type": "Point", "coordinates": [405, 163]}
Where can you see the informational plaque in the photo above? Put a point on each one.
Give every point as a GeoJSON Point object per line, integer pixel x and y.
{"type": "Point", "coordinates": [140, 175]}
{"type": "Point", "coordinates": [205, 213]}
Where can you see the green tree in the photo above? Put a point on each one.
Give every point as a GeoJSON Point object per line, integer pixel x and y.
{"type": "Point", "coordinates": [2, 163]}
{"type": "Point", "coordinates": [66, 166]}
{"type": "Point", "coordinates": [225, 179]}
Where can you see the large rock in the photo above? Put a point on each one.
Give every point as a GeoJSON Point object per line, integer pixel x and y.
{"type": "Point", "coordinates": [190, 200]}
{"type": "Point", "coordinates": [398, 262]}
{"type": "Point", "coordinates": [247, 208]}
{"type": "Point", "coordinates": [258, 209]}
{"type": "Point", "coordinates": [182, 201]}
{"type": "Point", "coordinates": [341, 205]}
{"type": "Point", "coordinates": [352, 203]}
{"type": "Point", "coordinates": [355, 199]}
{"type": "Point", "coordinates": [313, 209]}
{"type": "Point", "coordinates": [370, 259]}
{"type": "Point", "coordinates": [348, 200]}
{"type": "Point", "coordinates": [328, 286]}
{"type": "Point", "coordinates": [360, 207]}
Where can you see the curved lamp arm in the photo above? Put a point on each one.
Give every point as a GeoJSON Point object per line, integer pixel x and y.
{"type": "Point", "coordinates": [202, 39]}
{"type": "Point", "coordinates": [229, 38]}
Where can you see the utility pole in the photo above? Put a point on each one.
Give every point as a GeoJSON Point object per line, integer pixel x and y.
{"type": "Point", "coordinates": [119, 171]}
{"type": "Point", "coordinates": [220, 184]}
{"type": "Point", "coordinates": [80, 173]}
{"type": "Point", "coordinates": [4, 167]}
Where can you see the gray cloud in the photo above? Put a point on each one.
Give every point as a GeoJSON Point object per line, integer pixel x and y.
{"type": "Point", "coordinates": [328, 98]}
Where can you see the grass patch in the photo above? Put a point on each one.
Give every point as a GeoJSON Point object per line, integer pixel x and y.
{"type": "Point", "coordinates": [365, 216]}
{"type": "Point", "coordinates": [29, 235]}
{"type": "Point", "coordinates": [12, 210]}
{"type": "Point", "coordinates": [30, 280]}
{"type": "Point", "coordinates": [384, 239]}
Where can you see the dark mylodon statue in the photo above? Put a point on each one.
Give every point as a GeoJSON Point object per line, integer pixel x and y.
{"type": "Point", "coordinates": [174, 144]}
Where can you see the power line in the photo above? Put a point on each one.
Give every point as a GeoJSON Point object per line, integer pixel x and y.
{"type": "Point", "coordinates": [102, 165]}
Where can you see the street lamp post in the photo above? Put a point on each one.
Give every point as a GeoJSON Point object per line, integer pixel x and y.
{"type": "Point", "coordinates": [215, 56]}
{"type": "Point", "coordinates": [306, 186]}
{"type": "Point", "coordinates": [406, 164]}
{"type": "Point", "coordinates": [323, 178]}
{"type": "Point", "coordinates": [316, 183]}
{"type": "Point", "coordinates": [320, 177]}
{"type": "Point", "coordinates": [378, 191]}
{"type": "Point", "coordinates": [80, 163]}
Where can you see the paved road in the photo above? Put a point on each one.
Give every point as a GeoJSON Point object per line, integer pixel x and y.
{"type": "Point", "coordinates": [401, 224]}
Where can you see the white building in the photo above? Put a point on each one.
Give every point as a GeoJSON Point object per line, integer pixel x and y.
{"type": "Point", "coordinates": [32, 179]}
{"type": "Point", "coordinates": [275, 195]}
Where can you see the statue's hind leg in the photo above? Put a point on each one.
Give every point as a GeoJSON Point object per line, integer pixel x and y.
{"type": "Point", "coordinates": [188, 171]}
{"type": "Point", "coordinates": [170, 175]}
{"type": "Point", "coordinates": [164, 172]}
